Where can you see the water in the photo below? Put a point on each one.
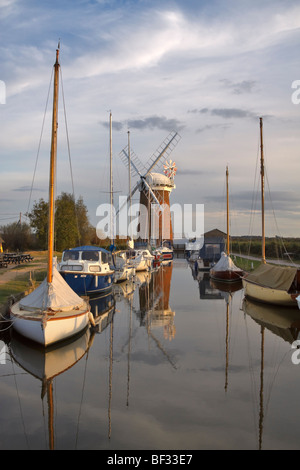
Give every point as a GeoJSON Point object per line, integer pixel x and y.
{"type": "Point", "coordinates": [176, 364]}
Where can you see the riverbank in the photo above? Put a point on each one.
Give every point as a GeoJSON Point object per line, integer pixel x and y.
{"type": "Point", "coordinates": [15, 280]}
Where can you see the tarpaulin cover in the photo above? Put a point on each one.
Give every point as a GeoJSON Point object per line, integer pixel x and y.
{"type": "Point", "coordinates": [275, 277]}
{"type": "Point", "coordinates": [56, 296]}
{"type": "Point", "coordinates": [225, 263]}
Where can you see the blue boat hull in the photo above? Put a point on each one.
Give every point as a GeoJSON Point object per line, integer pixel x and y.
{"type": "Point", "coordinates": [88, 284]}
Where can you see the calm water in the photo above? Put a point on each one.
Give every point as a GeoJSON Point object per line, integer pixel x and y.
{"type": "Point", "coordinates": [174, 364]}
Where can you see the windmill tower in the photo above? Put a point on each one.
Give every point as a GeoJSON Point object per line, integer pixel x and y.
{"type": "Point", "coordinates": [159, 224]}
{"type": "Point", "coordinates": [155, 189]}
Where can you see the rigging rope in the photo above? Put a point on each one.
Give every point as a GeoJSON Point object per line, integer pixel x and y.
{"type": "Point", "coordinates": [69, 154]}
{"type": "Point", "coordinates": [40, 141]}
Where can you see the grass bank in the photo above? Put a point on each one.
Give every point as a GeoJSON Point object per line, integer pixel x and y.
{"type": "Point", "coordinates": [20, 278]}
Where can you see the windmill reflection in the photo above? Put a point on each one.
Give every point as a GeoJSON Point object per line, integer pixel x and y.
{"type": "Point", "coordinates": [154, 298]}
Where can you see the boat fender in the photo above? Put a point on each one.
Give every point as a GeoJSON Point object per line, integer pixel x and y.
{"type": "Point", "coordinates": [91, 319]}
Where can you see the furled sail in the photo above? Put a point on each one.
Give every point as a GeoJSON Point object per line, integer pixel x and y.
{"type": "Point", "coordinates": [55, 296]}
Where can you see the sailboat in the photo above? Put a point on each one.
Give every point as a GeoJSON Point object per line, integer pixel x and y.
{"type": "Point", "coordinates": [139, 258]}
{"type": "Point", "coordinates": [87, 269]}
{"type": "Point", "coordinates": [278, 285]}
{"type": "Point", "coordinates": [53, 311]}
{"type": "Point", "coordinates": [225, 269]}
{"type": "Point", "coordinates": [123, 267]}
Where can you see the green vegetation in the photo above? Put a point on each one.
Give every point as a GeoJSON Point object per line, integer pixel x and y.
{"type": "Point", "coordinates": [245, 264]}
{"type": "Point", "coordinates": [72, 227]}
{"type": "Point", "coordinates": [23, 281]}
{"type": "Point", "coordinates": [20, 284]}
{"type": "Point", "coordinates": [276, 248]}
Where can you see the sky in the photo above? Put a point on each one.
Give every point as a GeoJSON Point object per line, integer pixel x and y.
{"type": "Point", "coordinates": [207, 69]}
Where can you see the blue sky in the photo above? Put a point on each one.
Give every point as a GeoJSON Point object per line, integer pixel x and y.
{"type": "Point", "coordinates": [207, 69]}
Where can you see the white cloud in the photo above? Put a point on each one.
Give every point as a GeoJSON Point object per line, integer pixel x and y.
{"type": "Point", "coordinates": [151, 65]}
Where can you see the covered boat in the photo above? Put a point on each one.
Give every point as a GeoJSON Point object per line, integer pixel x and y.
{"type": "Point", "coordinates": [52, 312]}
{"type": "Point", "coordinates": [279, 285]}
{"type": "Point", "coordinates": [87, 269]}
{"type": "Point", "coordinates": [226, 270]}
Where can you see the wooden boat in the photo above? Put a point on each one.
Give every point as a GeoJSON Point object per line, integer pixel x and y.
{"type": "Point", "coordinates": [53, 311]}
{"type": "Point", "coordinates": [141, 259]}
{"type": "Point", "coordinates": [225, 269]}
{"type": "Point", "coordinates": [165, 251]}
{"type": "Point", "coordinates": [278, 285]}
{"type": "Point", "coordinates": [124, 269]}
{"type": "Point", "coordinates": [87, 269]}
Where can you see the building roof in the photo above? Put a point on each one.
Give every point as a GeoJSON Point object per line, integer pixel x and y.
{"type": "Point", "coordinates": [215, 233]}
{"type": "Point", "coordinates": [158, 179]}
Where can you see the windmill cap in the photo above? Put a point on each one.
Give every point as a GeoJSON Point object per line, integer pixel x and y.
{"type": "Point", "coordinates": [158, 179]}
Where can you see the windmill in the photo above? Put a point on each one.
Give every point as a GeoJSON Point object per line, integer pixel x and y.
{"type": "Point", "coordinates": [154, 187]}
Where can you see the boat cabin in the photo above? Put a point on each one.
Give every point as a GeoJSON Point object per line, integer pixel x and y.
{"type": "Point", "coordinates": [213, 246]}
{"type": "Point", "coordinates": [85, 258]}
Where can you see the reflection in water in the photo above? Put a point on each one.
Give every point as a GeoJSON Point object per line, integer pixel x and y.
{"type": "Point", "coordinates": [102, 308]}
{"type": "Point", "coordinates": [46, 365]}
{"type": "Point", "coordinates": [137, 381]}
{"type": "Point", "coordinates": [153, 310]}
{"type": "Point", "coordinates": [283, 322]}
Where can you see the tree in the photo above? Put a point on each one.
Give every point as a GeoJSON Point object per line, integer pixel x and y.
{"type": "Point", "coordinates": [86, 230]}
{"type": "Point", "coordinates": [16, 236]}
{"type": "Point", "coordinates": [71, 226]}
{"type": "Point", "coordinates": [66, 229]}
{"type": "Point", "coordinates": [39, 222]}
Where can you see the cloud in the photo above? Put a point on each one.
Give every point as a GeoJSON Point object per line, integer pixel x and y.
{"type": "Point", "coordinates": [156, 122]}
{"type": "Point", "coordinates": [276, 201]}
{"type": "Point", "coordinates": [28, 188]}
{"type": "Point", "coordinates": [209, 127]}
{"type": "Point", "coordinates": [150, 122]}
{"type": "Point", "coordinates": [230, 113]}
{"type": "Point", "coordinates": [238, 88]}
{"type": "Point", "coordinates": [190, 172]}
{"type": "Point", "coordinates": [116, 125]}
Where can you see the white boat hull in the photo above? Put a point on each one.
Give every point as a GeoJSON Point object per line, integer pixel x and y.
{"type": "Point", "coordinates": [142, 263]}
{"type": "Point", "coordinates": [267, 294]}
{"type": "Point", "coordinates": [124, 274]}
{"type": "Point", "coordinates": [45, 331]}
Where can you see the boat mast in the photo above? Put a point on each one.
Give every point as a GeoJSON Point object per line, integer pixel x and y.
{"type": "Point", "coordinates": [111, 180]}
{"type": "Point", "coordinates": [129, 182]}
{"type": "Point", "coordinates": [262, 175]}
{"type": "Point", "coordinates": [227, 192]}
{"type": "Point", "coordinates": [53, 171]}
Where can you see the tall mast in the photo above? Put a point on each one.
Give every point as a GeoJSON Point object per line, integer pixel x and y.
{"type": "Point", "coordinates": [262, 175]}
{"type": "Point", "coordinates": [53, 171]}
{"type": "Point", "coordinates": [129, 181]}
{"type": "Point", "coordinates": [111, 179]}
{"type": "Point", "coordinates": [227, 192]}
